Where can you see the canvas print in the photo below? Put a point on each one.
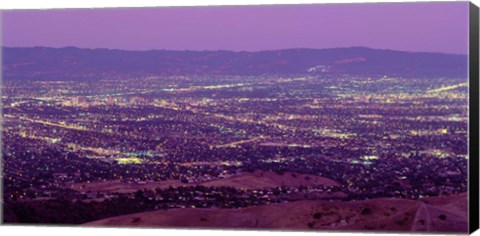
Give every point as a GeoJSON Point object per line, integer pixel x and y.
{"type": "Point", "coordinates": [315, 117]}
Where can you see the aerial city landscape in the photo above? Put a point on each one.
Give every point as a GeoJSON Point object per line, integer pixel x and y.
{"type": "Point", "coordinates": [340, 138]}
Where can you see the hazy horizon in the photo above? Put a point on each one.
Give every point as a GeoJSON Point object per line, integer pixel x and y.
{"type": "Point", "coordinates": [437, 27]}
{"type": "Point", "coordinates": [235, 51]}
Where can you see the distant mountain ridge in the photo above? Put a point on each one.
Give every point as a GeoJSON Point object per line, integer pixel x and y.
{"type": "Point", "coordinates": [71, 63]}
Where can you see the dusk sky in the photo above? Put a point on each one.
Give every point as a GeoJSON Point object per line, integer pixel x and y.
{"type": "Point", "coordinates": [428, 27]}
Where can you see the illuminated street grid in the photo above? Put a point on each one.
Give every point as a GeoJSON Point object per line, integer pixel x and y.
{"type": "Point", "coordinates": [377, 137]}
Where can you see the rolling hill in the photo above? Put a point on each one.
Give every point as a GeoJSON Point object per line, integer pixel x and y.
{"type": "Point", "coordinates": [70, 63]}
{"type": "Point", "coordinates": [436, 214]}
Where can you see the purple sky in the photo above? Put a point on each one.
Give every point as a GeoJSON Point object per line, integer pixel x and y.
{"type": "Point", "coordinates": [431, 27]}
